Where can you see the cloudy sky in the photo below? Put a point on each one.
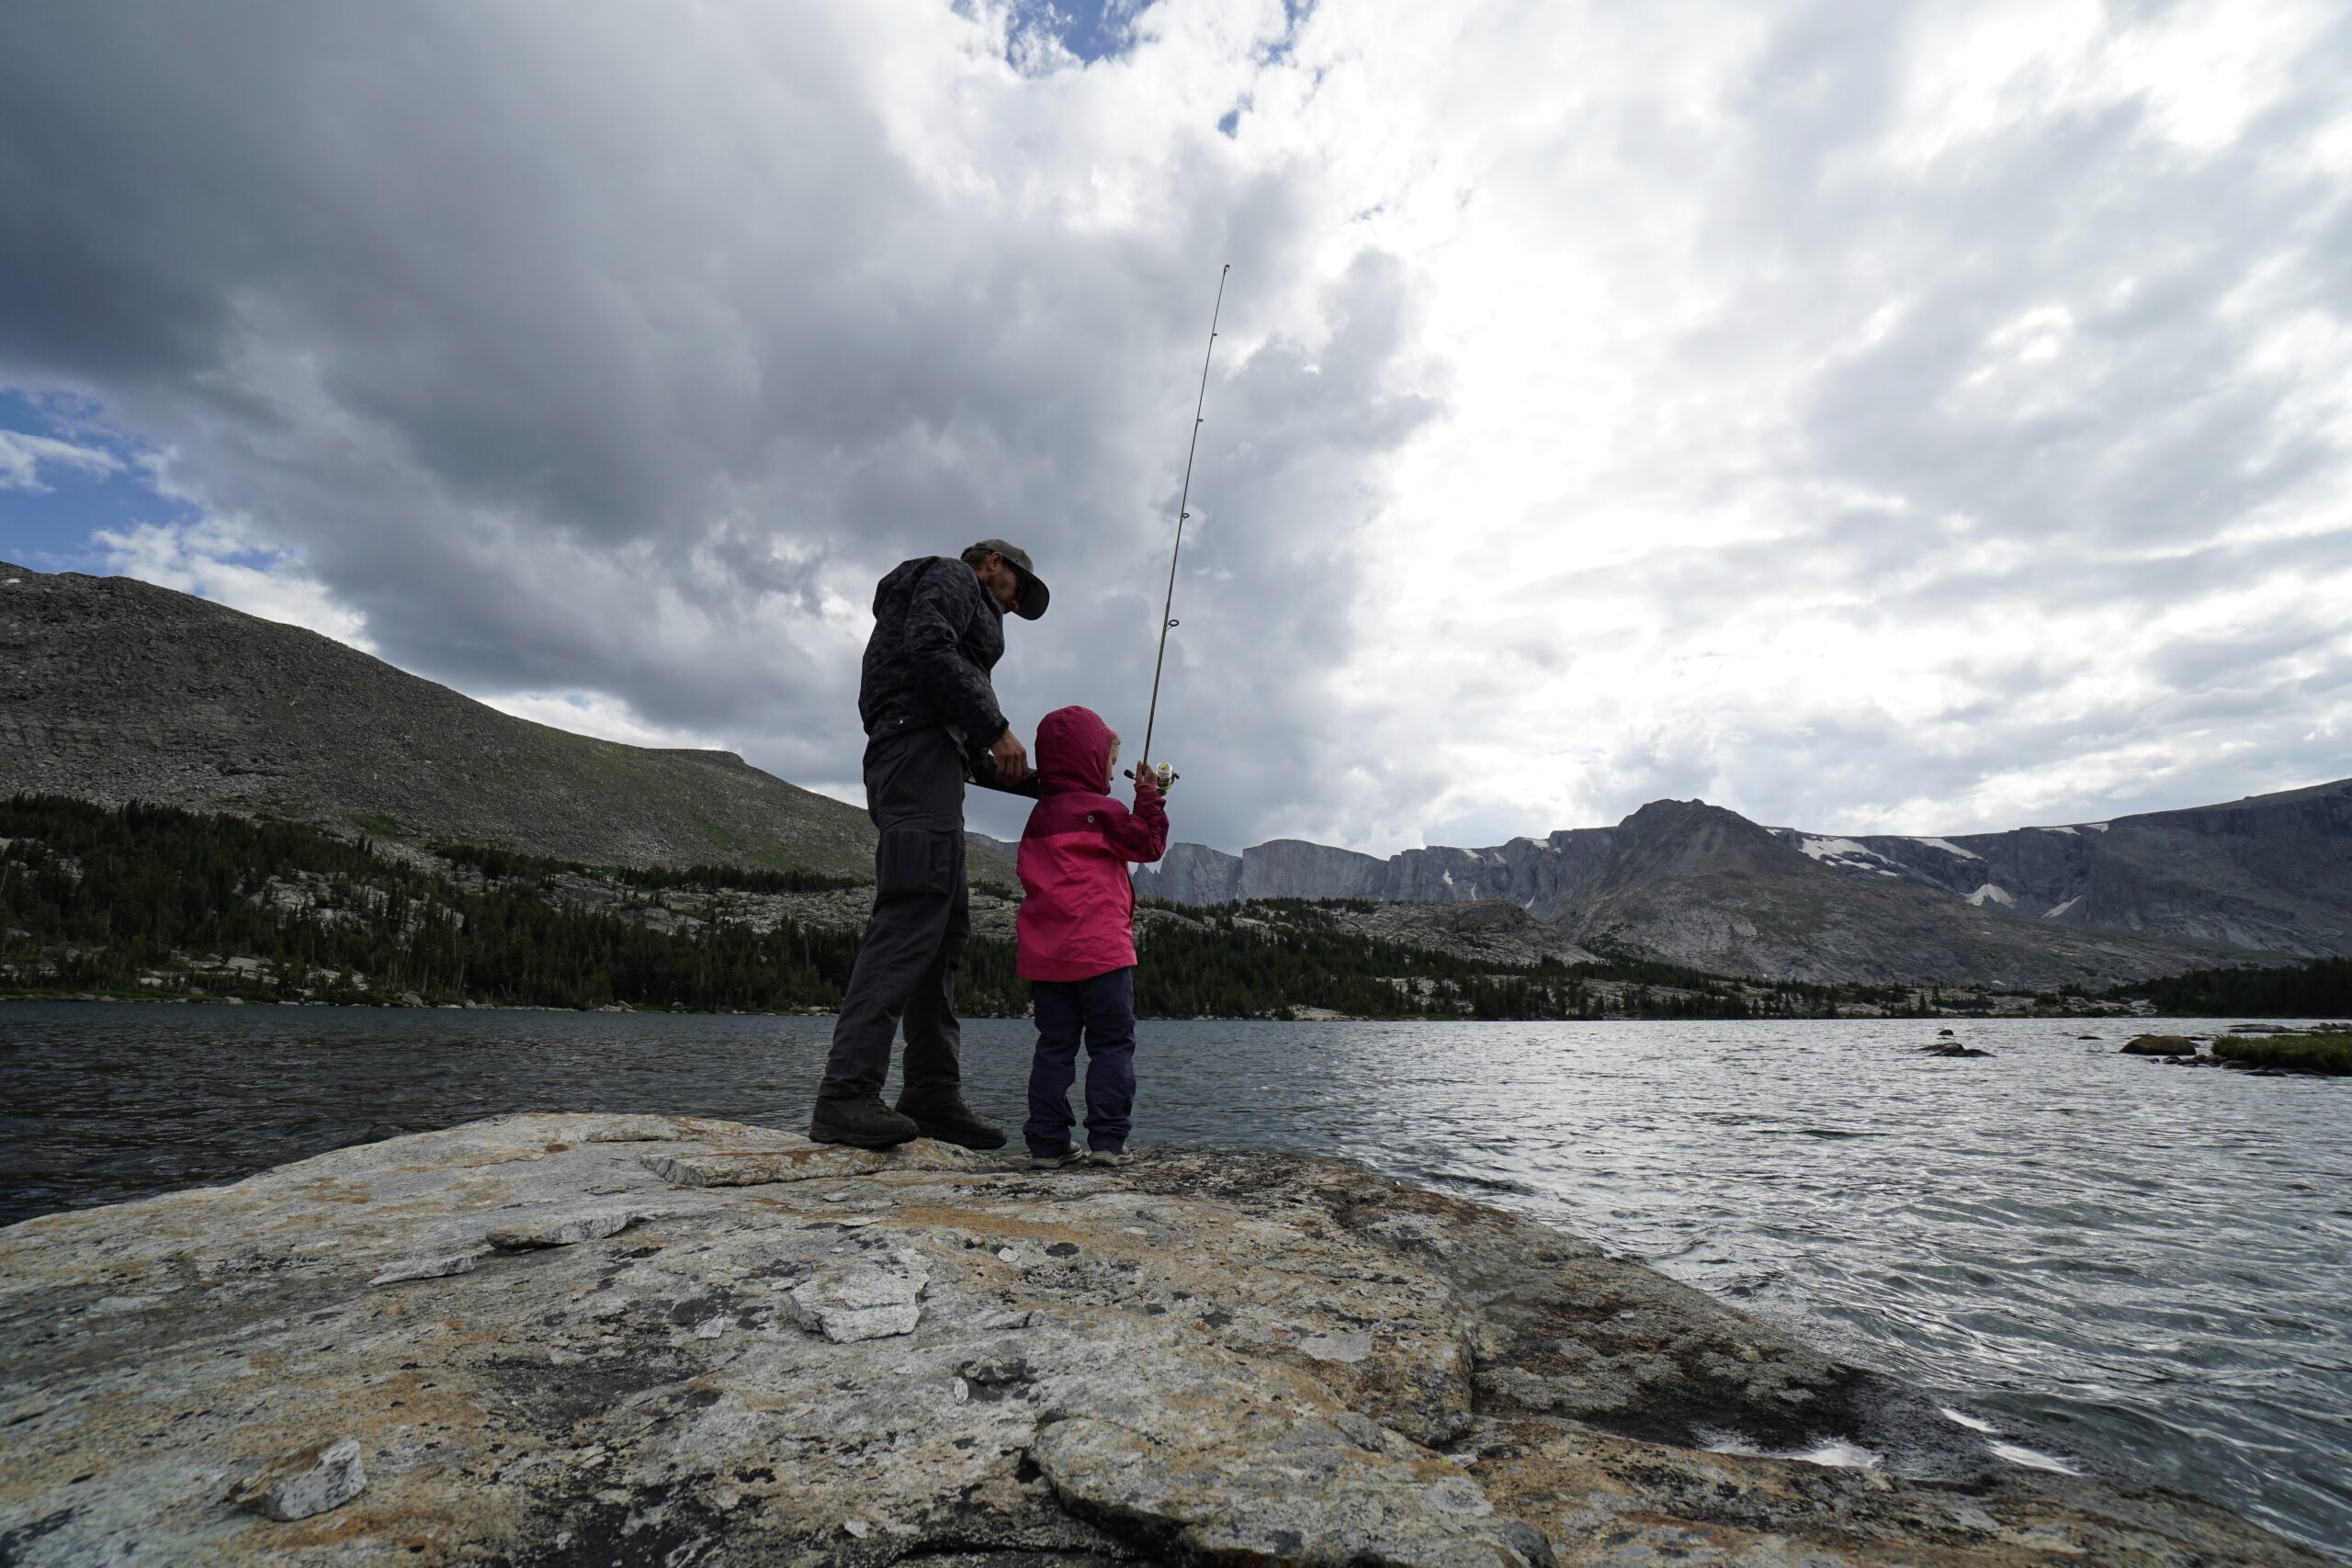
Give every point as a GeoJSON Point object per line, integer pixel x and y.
{"type": "Point", "coordinates": [1916, 418]}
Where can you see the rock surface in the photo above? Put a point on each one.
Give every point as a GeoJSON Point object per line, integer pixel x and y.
{"type": "Point", "coordinates": [308, 1480]}
{"type": "Point", "coordinates": [1198, 1357]}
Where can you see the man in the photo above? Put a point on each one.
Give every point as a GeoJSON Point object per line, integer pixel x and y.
{"type": "Point", "coordinates": [931, 722]}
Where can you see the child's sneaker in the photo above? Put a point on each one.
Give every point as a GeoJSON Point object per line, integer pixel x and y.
{"type": "Point", "coordinates": [1069, 1155]}
{"type": "Point", "coordinates": [1108, 1157]}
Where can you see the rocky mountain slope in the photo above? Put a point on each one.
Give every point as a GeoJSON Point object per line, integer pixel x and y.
{"type": "Point", "coordinates": [1538, 875]}
{"type": "Point", "coordinates": [601, 1338]}
{"type": "Point", "coordinates": [115, 690]}
{"type": "Point", "coordinates": [1696, 885]}
{"type": "Point", "coordinates": [2269, 874]}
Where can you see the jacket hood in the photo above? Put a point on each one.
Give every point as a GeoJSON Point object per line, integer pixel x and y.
{"type": "Point", "coordinates": [894, 583]}
{"type": "Point", "coordinates": [902, 577]}
{"type": "Point", "coordinates": [1073, 752]}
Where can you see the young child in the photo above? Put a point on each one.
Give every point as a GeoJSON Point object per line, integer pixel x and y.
{"type": "Point", "coordinates": [1077, 931]}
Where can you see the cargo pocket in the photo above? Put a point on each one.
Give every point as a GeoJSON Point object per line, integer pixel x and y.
{"type": "Point", "coordinates": [910, 861]}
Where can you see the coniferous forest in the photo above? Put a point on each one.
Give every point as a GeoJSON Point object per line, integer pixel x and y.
{"type": "Point", "coordinates": [2322, 989]}
{"type": "Point", "coordinates": [158, 902]}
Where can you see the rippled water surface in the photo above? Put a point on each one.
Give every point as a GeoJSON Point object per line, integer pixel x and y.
{"type": "Point", "coordinates": [2144, 1260]}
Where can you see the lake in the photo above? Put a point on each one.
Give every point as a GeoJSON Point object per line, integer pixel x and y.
{"type": "Point", "coordinates": [2109, 1254]}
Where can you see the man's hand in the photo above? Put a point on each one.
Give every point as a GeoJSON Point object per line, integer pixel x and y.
{"type": "Point", "coordinates": [1011, 758]}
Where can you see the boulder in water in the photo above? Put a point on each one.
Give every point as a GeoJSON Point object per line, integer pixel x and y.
{"type": "Point", "coordinates": [2160, 1045]}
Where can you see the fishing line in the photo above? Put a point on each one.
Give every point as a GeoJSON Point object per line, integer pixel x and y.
{"type": "Point", "coordinates": [1183, 501]}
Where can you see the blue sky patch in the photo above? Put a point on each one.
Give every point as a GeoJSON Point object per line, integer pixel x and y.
{"type": "Point", "coordinates": [1091, 30]}
{"type": "Point", "coordinates": [53, 497]}
{"type": "Point", "coordinates": [1294, 14]}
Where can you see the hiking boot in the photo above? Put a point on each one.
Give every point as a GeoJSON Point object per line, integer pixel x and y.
{"type": "Point", "coordinates": [1070, 1155]}
{"type": "Point", "coordinates": [863, 1123]}
{"type": "Point", "coordinates": [1108, 1157]}
{"type": "Point", "coordinates": [952, 1122]}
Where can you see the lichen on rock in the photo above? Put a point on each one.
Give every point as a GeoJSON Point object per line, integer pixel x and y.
{"type": "Point", "coordinates": [1201, 1357]}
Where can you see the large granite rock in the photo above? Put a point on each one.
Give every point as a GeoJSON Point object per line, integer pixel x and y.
{"type": "Point", "coordinates": [1199, 1358]}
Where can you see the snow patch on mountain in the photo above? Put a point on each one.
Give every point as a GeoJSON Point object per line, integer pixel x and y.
{"type": "Point", "coordinates": [1989, 894]}
{"type": "Point", "coordinates": [2058, 912]}
{"type": "Point", "coordinates": [1948, 848]}
{"type": "Point", "coordinates": [1844, 854]}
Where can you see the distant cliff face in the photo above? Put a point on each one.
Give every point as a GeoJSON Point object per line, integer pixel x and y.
{"type": "Point", "coordinates": [1535, 874]}
{"type": "Point", "coordinates": [2271, 875]}
{"type": "Point", "coordinates": [114, 689]}
{"type": "Point", "coordinates": [1696, 885]}
{"type": "Point", "coordinates": [1193, 873]}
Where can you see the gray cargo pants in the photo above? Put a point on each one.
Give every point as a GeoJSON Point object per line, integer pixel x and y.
{"type": "Point", "coordinates": [922, 916]}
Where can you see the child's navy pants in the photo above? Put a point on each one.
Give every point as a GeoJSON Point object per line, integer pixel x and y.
{"type": "Point", "coordinates": [1100, 1009]}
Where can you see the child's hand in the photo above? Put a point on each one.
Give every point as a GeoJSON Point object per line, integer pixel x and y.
{"type": "Point", "coordinates": [1145, 778]}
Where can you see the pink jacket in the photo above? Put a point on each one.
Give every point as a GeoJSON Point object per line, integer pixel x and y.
{"type": "Point", "coordinates": [1078, 909]}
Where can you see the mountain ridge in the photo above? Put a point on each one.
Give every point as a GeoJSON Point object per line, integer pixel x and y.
{"type": "Point", "coordinates": [1700, 886]}
{"type": "Point", "coordinates": [2268, 873]}
{"type": "Point", "coordinates": [115, 690]}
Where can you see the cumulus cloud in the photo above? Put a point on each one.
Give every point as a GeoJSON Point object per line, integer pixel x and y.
{"type": "Point", "coordinates": [23, 455]}
{"type": "Point", "coordinates": [591, 713]}
{"type": "Point", "coordinates": [1922, 417]}
{"type": "Point", "coordinates": [220, 561]}
{"type": "Point", "coordinates": [1943, 422]}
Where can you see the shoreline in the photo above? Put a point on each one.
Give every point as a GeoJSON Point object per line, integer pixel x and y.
{"type": "Point", "coordinates": [1299, 1015]}
{"type": "Point", "coordinates": [549, 1335]}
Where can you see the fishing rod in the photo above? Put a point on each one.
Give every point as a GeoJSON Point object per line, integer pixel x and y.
{"type": "Point", "coordinates": [1183, 501]}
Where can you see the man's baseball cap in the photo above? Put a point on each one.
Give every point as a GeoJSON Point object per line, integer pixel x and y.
{"type": "Point", "coordinates": [1034, 595]}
